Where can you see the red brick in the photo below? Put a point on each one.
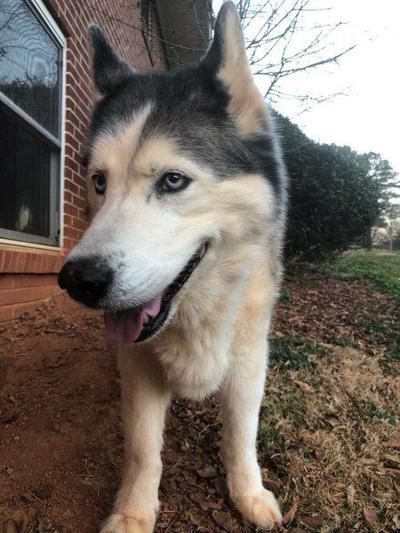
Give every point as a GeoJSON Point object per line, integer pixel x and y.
{"type": "Point", "coordinates": [79, 224]}
{"type": "Point", "coordinates": [71, 163]}
{"type": "Point", "coordinates": [12, 312]}
{"type": "Point", "coordinates": [72, 233]}
{"type": "Point", "coordinates": [20, 261]}
{"type": "Point", "coordinates": [68, 244]}
{"type": "Point", "coordinates": [26, 294]}
{"type": "Point", "coordinates": [71, 210]}
{"type": "Point", "coordinates": [71, 140]}
{"type": "Point", "coordinates": [67, 197]}
{"type": "Point", "coordinates": [80, 201]}
{"type": "Point", "coordinates": [6, 281]}
{"type": "Point", "coordinates": [70, 186]}
{"type": "Point", "coordinates": [7, 262]}
{"type": "Point", "coordinates": [6, 313]}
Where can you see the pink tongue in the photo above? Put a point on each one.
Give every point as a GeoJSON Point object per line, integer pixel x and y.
{"type": "Point", "coordinates": [126, 326]}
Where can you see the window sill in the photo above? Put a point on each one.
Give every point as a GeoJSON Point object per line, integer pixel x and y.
{"type": "Point", "coordinates": [21, 246]}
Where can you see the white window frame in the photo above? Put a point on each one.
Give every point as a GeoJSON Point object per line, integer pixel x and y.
{"type": "Point", "coordinates": [45, 17]}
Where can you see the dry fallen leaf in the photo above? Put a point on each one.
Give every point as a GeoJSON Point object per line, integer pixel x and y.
{"type": "Point", "coordinates": [208, 504]}
{"type": "Point", "coordinates": [395, 471]}
{"type": "Point", "coordinates": [393, 443]}
{"type": "Point", "coordinates": [194, 519]}
{"type": "Point", "coordinates": [370, 516]}
{"type": "Point", "coordinates": [272, 484]}
{"type": "Point", "coordinates": [368, 461]}
{"type": "Point", "coordinates": [350, 493]}
{"type": "Point", "coordinates": [392, 458]}
{"type": "Point", "coordinates": [225, 520]}
{"type": "Point", "coordinates": [207, 472]}
{"type": "Point", "coordinates": [312, 521]}
{"type": "Point", "coordinates": [305, 387]}
{"type": "Point", "coordinates": [291, 513]}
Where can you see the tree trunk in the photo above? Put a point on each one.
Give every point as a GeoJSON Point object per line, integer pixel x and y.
{"type": "Point", "coordinates": [368, 239]}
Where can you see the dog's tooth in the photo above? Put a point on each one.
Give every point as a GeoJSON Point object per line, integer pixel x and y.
{"type": "Point", "coordinates": [146, 318]}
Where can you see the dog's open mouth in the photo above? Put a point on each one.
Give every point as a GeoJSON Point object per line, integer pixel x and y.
{"type": "Point", "coordinates": [139, 324]}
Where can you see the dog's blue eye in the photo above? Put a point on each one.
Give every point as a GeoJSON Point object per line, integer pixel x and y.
{"type": "Point", "coordinates": [173, 182]}
{"type": "Point", "coordinates": [100, 182]}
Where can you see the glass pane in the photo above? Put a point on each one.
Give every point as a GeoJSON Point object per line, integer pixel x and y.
{"type": "Point", "coordinates": [30, 63]}
{"type": "Point", "coordinates": [28, 164]}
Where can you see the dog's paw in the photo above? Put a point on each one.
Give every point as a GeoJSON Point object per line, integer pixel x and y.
{"type": "Point", "coordinates": [123, 523]}
{"type": "Point", "coordinates": [261, 509]}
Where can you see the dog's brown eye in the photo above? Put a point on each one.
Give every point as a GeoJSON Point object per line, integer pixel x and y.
{"type": "Point", "coordinates": [173, 182]}
{"type": "Point", "coordinates": [100, 182]}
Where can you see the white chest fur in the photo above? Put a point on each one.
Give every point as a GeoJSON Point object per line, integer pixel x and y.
{"type": "Point", "coordinates": [195, 367]}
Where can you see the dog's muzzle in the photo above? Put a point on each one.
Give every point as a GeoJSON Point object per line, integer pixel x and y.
{"type": "Point", "coordinates": [89, 279]}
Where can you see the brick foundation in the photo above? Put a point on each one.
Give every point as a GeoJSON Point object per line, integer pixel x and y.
{"type": "Point", "coordinates": [21, 293]}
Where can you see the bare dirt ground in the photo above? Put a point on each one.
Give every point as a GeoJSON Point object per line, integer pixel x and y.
{"type": "Point", "coordinates": [329, 435]}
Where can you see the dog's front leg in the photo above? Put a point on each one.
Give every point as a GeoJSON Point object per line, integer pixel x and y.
{"type": "Point", "coordinates": [144, 402]}
{"type": "Point", "coordinates": [241, 396]}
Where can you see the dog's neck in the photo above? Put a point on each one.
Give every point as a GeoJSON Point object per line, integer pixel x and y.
{"type": "Point", "coordinates": [194, 349]}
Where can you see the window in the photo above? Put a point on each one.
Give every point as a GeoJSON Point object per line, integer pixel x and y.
{"type": "Point", "coordinates": [31, 88]}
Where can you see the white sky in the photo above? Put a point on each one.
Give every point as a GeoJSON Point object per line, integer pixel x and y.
{"type": "Point", "coordinates": [367, 118]}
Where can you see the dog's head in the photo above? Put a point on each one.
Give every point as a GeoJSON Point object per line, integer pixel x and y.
{"type": "Point", "coordinates": [181, 166]}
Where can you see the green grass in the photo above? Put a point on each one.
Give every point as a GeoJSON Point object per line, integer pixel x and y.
{"type": "Point", "coordinates": [381, 414]}
{"type": "Point", "coordinates": [368, 410]}
{"type": "Point", "coordinates": [285, 296]}
{"type": "Point", "coordinates": [383, 270]}
{"type": "Point", "coordinates": [344, 342]}
{"type": "Point", "coordinates": [294, 353]}
{"type": "Point", "coordinates": [386, 334]}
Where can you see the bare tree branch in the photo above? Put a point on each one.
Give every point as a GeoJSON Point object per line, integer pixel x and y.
{"type": "Point", "coordinates": [281, 42]}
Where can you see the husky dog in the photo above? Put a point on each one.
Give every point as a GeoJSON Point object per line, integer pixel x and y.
{"type": "Point", "coordinates": [187, 191]}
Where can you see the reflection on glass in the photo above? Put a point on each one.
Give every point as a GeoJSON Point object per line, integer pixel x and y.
{"type": "Point", "coordinates": [30, 63]}
{"type": "Point", "coordinates": [25, 176]}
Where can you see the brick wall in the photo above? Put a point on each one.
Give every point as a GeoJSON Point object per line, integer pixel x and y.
{"type": "Point", "coordinates": [28, 275]}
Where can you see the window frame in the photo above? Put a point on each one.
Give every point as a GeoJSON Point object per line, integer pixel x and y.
{"type": "Point", "coordinates": [56, 193]}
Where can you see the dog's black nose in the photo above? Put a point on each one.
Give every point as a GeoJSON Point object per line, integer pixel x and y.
{"type": "Point", "coordinates": [86, 280]}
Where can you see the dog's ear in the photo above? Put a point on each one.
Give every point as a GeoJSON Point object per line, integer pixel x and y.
{"type": "Point", "coordinates": [227, 60]}
{"type": "Point", "coordinates": [109, 70]}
